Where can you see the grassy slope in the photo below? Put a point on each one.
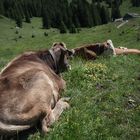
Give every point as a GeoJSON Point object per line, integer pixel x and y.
{"type": "Point", "coordinates": [105, 94]}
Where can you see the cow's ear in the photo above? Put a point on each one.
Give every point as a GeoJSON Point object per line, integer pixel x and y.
{"type": "Point", "coordinates": [63, 45]}
{"type": "Point", "coordinates": [54, 44]}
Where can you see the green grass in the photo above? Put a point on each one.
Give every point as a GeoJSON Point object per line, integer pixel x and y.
{"type": "Point", "coordinates": [105, 94]}
{"type": "Point", "coordinates": [100, 108]}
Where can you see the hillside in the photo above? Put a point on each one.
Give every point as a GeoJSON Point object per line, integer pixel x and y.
{"type": "Point", "coordinates": [105, 94]}
{"type": "Point", "coordinates": [125, 36]}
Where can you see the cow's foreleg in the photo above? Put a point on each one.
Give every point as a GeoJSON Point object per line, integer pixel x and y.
{"type": "Point", "coordinates": [54, 114]}
{"type": "Point", "coordinates": [46, 122]}
{"type": "Point", "coordinates": [60, 106]}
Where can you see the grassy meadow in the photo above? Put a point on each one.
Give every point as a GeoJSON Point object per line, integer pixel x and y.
{"type": "Point", "coordinates": [105, 93]}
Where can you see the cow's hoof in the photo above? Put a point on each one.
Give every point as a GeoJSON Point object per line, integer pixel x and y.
{"type": "Point", "coordinates": [45, 130]}
{"type": "Point", "coordinates": [65, 99]}
{"type": "Point", "coordinates": [62, 104]}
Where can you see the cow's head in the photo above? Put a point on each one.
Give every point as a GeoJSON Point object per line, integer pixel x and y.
{"type": "Point", "coordinates": [61, 55]}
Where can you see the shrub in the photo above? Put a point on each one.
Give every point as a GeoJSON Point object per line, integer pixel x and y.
{"type": "Point", "coordinates": [33, 36]}
{"type": "Point", "coordinates": [20, 36]}
{"type": "Point", "coordinates": [63, 28]}
{"type": "Point", "coordinates": [17, 32]}
{"type": "Point", "coordinates": [72, 29]}
{"type": "Point", "coordinates": [45, 34]}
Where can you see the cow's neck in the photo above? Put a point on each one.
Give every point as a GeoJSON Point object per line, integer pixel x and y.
{"type": "Point", "coordinates": [50, 59]}
{"type": "Point", "coordinates": [54, 58]}
{"type": "Point", "coordinates": [56, 69]}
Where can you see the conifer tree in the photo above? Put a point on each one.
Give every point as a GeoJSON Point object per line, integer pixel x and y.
{"type": "Point", "coordinates": [76, 21]}
{"type": "Point", "coordinates": [39, 8]}
{"type": "Point", "coordinates": [45, 19]}
{"type": "Point", "coordinates": [57, 19]}
{"type": "Point", "coordinates": [95, 15]}
{"type": "Point", "coordinates": [84, 13]}
{"type": "Point", "coordinates": [108, 14]}
{"type": "Point", "coordinates": [62, 28]}
{"type": "Point", "coordinates": [18, 14]}
{"type": "Point", "coordinates": [27, 17]}
{"type": "Point", "coordinates": [104, 15]}
{"type": "Point", "coordinates": [1, 8]}
{"type": "Point", "coordinates": [19, 21]}
{"type": "Point", "coordinates": [19, 8]}
{"type": "Point", "coordinates": [64, 11]}
{"type": "Point", "coordinates": [72, 29]}
{"type": "Point", "coordinates": [109, 2]}
{"type": "Point", "coordinates": [89, 16]}
{"type": "Point", "coordinates": [135, 3]}
{"type": "Point", "coordinates": [70, 17]}
{"type": "Point", "coordinates": [115, 12]}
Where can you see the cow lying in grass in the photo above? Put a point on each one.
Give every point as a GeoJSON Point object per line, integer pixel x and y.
{"type": "Point", "coordinates": [30, 87]}
{"type": "Point", "coordinates": [91, 51]}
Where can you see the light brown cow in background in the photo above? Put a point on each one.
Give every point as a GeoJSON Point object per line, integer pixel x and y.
{"type": "Point", "coordinates": [92, 51]}
{"type": "Point", "coordinates": [30, 87]}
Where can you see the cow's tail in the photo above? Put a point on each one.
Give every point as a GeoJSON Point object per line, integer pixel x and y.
{"type": "Point", "coordinates": [8, 128]}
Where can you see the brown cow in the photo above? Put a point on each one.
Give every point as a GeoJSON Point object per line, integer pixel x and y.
{"type": "Point", "coordinates": [91, 51]}
{"type": "Point", "coordinates": [30, 88]}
